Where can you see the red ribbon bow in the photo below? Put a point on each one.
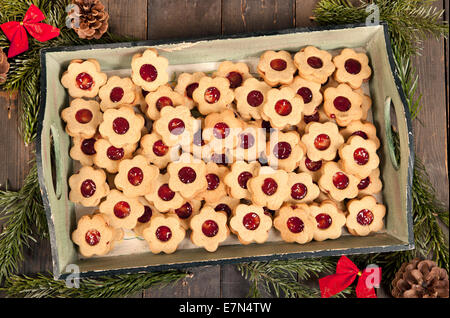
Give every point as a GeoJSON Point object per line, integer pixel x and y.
{"type": "Point", "coordinates": [16, 34]}
{"type": "Point", "coordinates": [346, 272]}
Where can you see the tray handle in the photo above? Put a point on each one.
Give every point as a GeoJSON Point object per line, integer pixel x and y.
{"type": "Point", "coordinates": [389, 136]}
{"type": "Point", "coordinates": [53, 138]}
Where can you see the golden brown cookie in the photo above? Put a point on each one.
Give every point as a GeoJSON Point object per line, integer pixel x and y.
{"type": "Point", "coordinates": [226, 204]}
{"type": "Point", "coordinates": [216, 188]}
{"type": "Point", "coordinates": [337, 183]}
{"type": "Point", "coordinates": [108, 157]}
{"type": "Point", "coordinates": [82, 118]}
{"type": "Point", "coordinates": [295, 224]}
{"type": "Point", "coordinates": [302, 189]}
{"type": "Point", "coordinates": [186, 211]}
{"type": "Point", "coordinates": [276, 67]}
{"type": "Point", "coordinates": [366, 103]}
{"type": "Point", "coordinates": [186, 85]}
{"type": "Point", "coordinates": [88, 186]}
{"type": "Point", "coordinates": [250, 224]}
{"type": "Point", "coordinates": [365, 216]}
{"type": "Point", "coordinates": [268, 187]}
{"type": "Point", "coordinates": [157, 152]}
{"type": "Point", "coordinates": [352, 68]}
{"type": "Point", "coordinates": [310, 92]}
{"type": "Point", "coordinates": [83, 78]}
{"type": "Point", "coordinates": [235, 73]}
{"type": "Point", "coordinates": [250, 98]}
{"type": "Point", "coordinates": [175, 126]}
{"type": "Point", "coordinates": [83, 150]}
{"type": "Point", "coordinates": [285, 150]}
{"type": "Point", "coordinates": [237, 178]}
{"type": "Point", "coordinates": [164, 234]}
{"type": "Point", "coordinates": [251, 142]}
{"type": "Point", "coordinates": [359, 156]}
{"type": "Point", "coordinates": [162, 97]}
{"type": "Point", "coordinates": [222, 129]}
{"type": "Point", "coordinates": [149, 70]}
{"type": "Point", "coordinates": [318, 117]}
{"type": "Point", "coordinates": [213, 95]}
{"type": "Point", "coordinates": [117, 92]}
{"type": "Point", "coordinates": [313, 168]}
{"type": "Point", "coordinates": [209, 229]}
{"type": "Point", "coordinates": [370, 185]}
{"type": "Point", "coordinates": [342, 104]}
{"type": "Point", "coordinates": [365, 130]}
{"type": "Point", "coordinates": [145, 219]}
{"type": "Point", "coordinates": [329, 220]}
{"type": "Point", "coordinates": [322, 140]}
{"type": "Point", "coordinates": [164, 198]}
{"type": "Point", "coordinates": [283, 107]}
{"type": "Point", "coordinates": [314, 64]}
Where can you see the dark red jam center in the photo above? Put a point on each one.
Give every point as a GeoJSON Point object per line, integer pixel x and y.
{"type": "Point", "coordinates": [247, 141]}
{"type": "Point", "coordinates": [160, 148]}
{"type": "Point", "coordinates": [83, 116]}
{"type": "Point", "coordinates": [269, 186]}
{"type": "Point", "coordinates": [364, 183]}
{"type": "Point", "coordinates": [176, 126]}
{"type": "Point", "coordinates": [135, 176]}
{"type": "Point", "coordinates": [163, 233]}
{"type": "Point", "coordinates": [148, 72]}
{"type": "Point", "coordinates": [221, 130]}
{"type": "Point", "coordinates": [212, 95]}
{"type": "Point", "coordinates": [190, 89]}
{"type": "Point", "coordinates": [306, 94]}
{"type": "Point", "coordinates": [255, 98]}
{"type": "Point", "coordinates": [114, 153]}
{"type": "Point", "coordinates": [352, 66]}
{"type": "Point", "coordinates": [298, 191]}
{"type": "Point", "coordinates": [278, 64]}
{"type": "Point", "coordinates": [116, 94]}
{"type": "Point", "coordinates": [323, 221]}
{"type": "Point", "coordinates": [120, 125]}
{"type": "Point", "coordinates": [361, 156]}
{"type": "Point", "coordinates": [185, 211]}
{"type": "Point", "coordinates": [313, 165]}
{"type": "Point", "coordinates": [213, 181]}
{"type": "Point", "coordinates": [163, 102]}
{"type": "Point", "coordinates": [283, 107]}
{"type": "Point", "coordinates": [235, 79]}
{"type": "Point", "coordinates": [243, 178]}
{"type": "Point", "coordinates": [282, 150]}
{"type": "Point", "coordinates": [342, 103]}
{"type": "Point", "coordinates": [219, 158]}
{"type": "Point", "coordinates": [222, 207]}
{"type": "Point", "coordinates": [187, 175]}
{"type": "Point", "coordinates": [87, 146]}
{"type": "Point", "coordinates": [210, 228]}
{"type": "Point", "coordinates": [364, 217]}
{"type": "Point", "coordinates": [251, 221]}
{"type": "Point", "coordinates": [92, 237]}
{"type": "Point", "coordinates": [322, 142]}
{"type": "Point", "coordinates": [266, 125]}
{"type": "Point", "coordinates": [361, 134]}
{"type": "Point", "coordinates": [340, 180]}
{"type": "Point", "coordinates": [310, 118]}
{"type": "Point", "coordinates": [122, 209]}
{"type": "Point", "coordinates": [84, 81]}
{"type": "Point", "coordinates": [88, 188]}
{"type": "Point", "coordinates": [146, 216]}
{"type": "Point", "coordinates": [314, 62]}
{"type": "Point", "coordinates": [165, 193]}
{"type": "Point", "coordinates": [295, 224]}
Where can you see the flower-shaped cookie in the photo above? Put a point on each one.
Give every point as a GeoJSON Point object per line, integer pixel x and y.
{"type": "Point", "coordinates": [284, 150]}
{"type": "Point", "coordinates": [366, 103]}
{"type": "Point", "coordinates": [226, 204]}
{"type": "Point", "coordinates": [318, 117]}
{"type": "Point", "coordinates": [365, 216]}
{"type": "Point", "coordinates": [121, 126]}
{"type": "Point", "coordinates": [82, 118]}
{"type": "Point", "coordinates": [342, 104]}
{"type": "Point", "coordinates": [365, 130]}
{"type": "Point", "coordinates": [148, 70]}
{"type": "Point", "coordinates": [250, 98]}
{"type": "Point", "coordinates": [283, 107]}
{"type": "Point", "coordinates": [314, 64]}
{"type": "Point", "coordinates": [164, 234]}
{"type": "Point", "coordinates": [251, 143]}
{"type": "Point", "coordinates": [187, 175]}
{"type": "Point", "coordinates": [213, 95]}
{"type": "Point", "coordinates": [83, 150]}
{"type": "Point", "coordinates": [136, 177]}
{"type": "Point", "coordinates": [295, 224]}
{"type": "Point", "coordinates": [310, 92]}
{"type": "Point", "coordinates": [186, 211]}
{"type": "Point", "coordinates": [216, 188]}
{"type": "Point", "coordinates": [359, 156]}
{"type": "Point", "coordinates": [83, 78]}
{"type": "Point", "coordinates": [122, 211]}
{"type": "Point", "coordinates": [221, 130]}
{"type": "Point", "coordinates": [352, 68]}
{"type": "Point", "coordinates": [219, 156]}
{"type": "Point", "coordinates": [371, 184]}
{"type": "Point", "coordinates": [108, 157]}
{"type": "Point", "coordinates": [302, 188]}
{"type": "Point", "coordinates": [313, 168]}
{"type": "Point", "coordinates": [237, 178]}
{"type": "Point", "coordinates": [164, 198]}
{"type": "Point", "coordinates": [150, 212]}
{"type": "Point", "coordinates": [140, 99]}
{"type": "Point", "coordinates": [329, 220]}
{"type": "Point", "coordinates": [95, 236]}
{"type": "Point", "coordinates": [209, 229]}
{"type": "Point", "coordinates": [235, 73]}
{"type": "Point", "coordinates": [88, 186]}
{"type": "Point", "coordinates": [157, 152]}
{"type": "Point", "coordinates": [268, 188]}
{"type": "Point", "coordinates": [162, 97]}
{"type": "Point", "coordinates": [198, 147]}
{"type": "Point", "coordinates": [250, 224]}
{"type": "Point", "coordinates": [186, 85]}
{"type": "Point", "coordinates": [117, 92]}
{"type": "Point", "coordinates": [175, 126]}
{"type": "Point", "coordinates": [276, 67]}
{"type": "Point", "coordinates": [337, 183]}
{"type": "Point", "coordinates": [322, 140]}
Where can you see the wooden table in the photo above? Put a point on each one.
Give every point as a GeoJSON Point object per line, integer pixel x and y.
{"type": "Point", "coordinates": [164, 19]}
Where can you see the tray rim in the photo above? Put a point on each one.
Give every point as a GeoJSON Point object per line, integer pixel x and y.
{"type": "Point", "coordinates": [409, 245]}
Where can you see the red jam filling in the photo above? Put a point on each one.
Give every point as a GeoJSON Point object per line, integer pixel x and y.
{"type": "Point", "coordinates": [148, 72]}
{"type": "Point", "coordinates": [361, 156]}
{"type": "Point", "coordinates": [306, 94]}
{"type": "Point", "coordinates": [340, 180]}
{"type": "Point", "coordinates": [160, 148]}
{"type": "Point", "coordinates": [114, 153]}
{"type": "Point", "coordinates": [190, 89]}
{"type": "Point", "coordinates": [251, 221]}
{"type": "Point", "coordinates": [184, 211]}
{"type": "Point", "coordinates": [120, 125]}
{"type": "Point", "coordinates": [135, 176]}
{"type": "Point", "coordinates": [235, 79]}
{"type": "Point", "coordinates": [116, 94]}
{"type": "Point", "coordinates": [87, 146]}
{"type": "Point", "coordinates": [295, 224]}
{"type": "Point", "coordinates": [314, 62]}
{"type": "Point", "coordinates": [122, 209]}
{"type": "Point", "coordinates": [163, 102]}
{"type": "Point", "coordinates": [298, 191]}
{"type": "Point", "coordinates": [198, 138]}
{"type": "Point", "coordinates": [220, 159]}
{"type": "Point", "coordinates": [83, 116]}
{"type": "Point", "coordinates": [221, 130]}
{"type": "Point", "coordinates": [322, 142]}
{"type": "Point", "coordinates": [283, 107]}
{"type": "Point", "coordinates": [176, 126]}
{"type": "Point", "coordinates": [84, 81]}
{"type": "Point", "coordinates": [212, 95]}
{"type": "Point", "coordinates": [213, 181]}
{"type": "Point", "coordinates": [323, 221]}
{"type": "Point", "coordinates": [364, 217]}
{"type": "Point", "coordinates": [210, 228]}
{"type": "Point", "coordinates": [282, 150]}
{"type": "Point", "coordinates": [361, 134]}
{"type": "Point", "coordinates": [364, 183]}
{"type": "Point", "coordinates": [269, 186]}
{"type": "Point", "coordinates": [352, 66]}
{"type": "Point", "coordinates": [222, 207]}
{"type": "Point", "coordinates": [88, 188]}
{"type": "Point", "coordinates": [243, 178]}
{"type": "Point", "coordinates": [165, 193]}
{"type": "Point", "coordinates": [266, 125]}
{"type": "Point", "coordinates": [342, 103]}
{"type": "Point", "coordinates": [247, 141]}
{"type": "Point", "coordinates": [310, 118]}
{"type": "Point", "coordinates": [313, 165]}
{"type": "Point", "coordinates": [187, 175]}
{"type": "Point", "coordinates": [163, 233]}
{"type": "Point", "coordinates": [278, 64]}
{"type": "Point", "coordinates": [92, 237]}
{"type": "Point", "coordinates": [146, 216]}
{"type": "Point", "coordinates": [255, 98]}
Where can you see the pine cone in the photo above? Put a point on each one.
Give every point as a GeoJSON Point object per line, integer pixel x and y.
{"type": "Point", "coordinates": [93, 19]}
{"type": "Point", "coordinates": [420, 279]}
{"type": "Point", "coordinates": [4, 66]}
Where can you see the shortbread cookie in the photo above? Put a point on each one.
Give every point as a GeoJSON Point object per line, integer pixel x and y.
{"type": "Point", "coordinates": [186, 85]}
{"type": "Point", "coordinates": [314, 64]}
{"type": "Point", "coordinates": [302, 188]}
{"type": "Point", "coordinates": [216, 188]}
{"type": "Point", "coordinates": [209, 229]}
{"type": "Point", "coordinates": [226, 204]}
{"type": "Point", "coordinates": [83, 150]}
{"type": "Point", "coordinates": [285, 150]}
{"type": "Point", "coordinates": [157, 152]}
{"type": "Point", "coordinates": [164, 198]}
{"type": "Point", "coordinates": [136, 177]}
{"type": "Point", "coordinates": [359, 156]}
{"type": "Point", "coordinates": [325, 196]}
{"type": "Point", "coordinates": [250, 224]}
{"type": "Point", "coordinates": [352, 68]}
{"type": "Point", "coordinates": [322, 140]}
{"type": "Point", "coordinates": [268, 188]}
{"type": "Point", "coordinates": [295, 224]}
{"type": "Point", "coordinates": [310, 92]}
{"type": "Point", "coordinates": [283, 107]}
{"type": "Point", "coordinates": [329, 220]}
{"type": "Point", "coordinates": [250, 98]}
{"type": "Point", "coordinates": [149, 70]}
{"type": "Point", "coordinates": [276, 67]}
{"type": "Point", "coordinates": [342, 104]}
{"type": "Point", "coordinates": [164, 234]}
{"type": "Point", "coordinates": [121, 126]}
{"type": "Point", "coordinates": [235, 73]}
{"type": "Point", "coordinates": [251, 143]}
{"type": "Point", "coordinates": [145, 219]}
{"type": "Point", "coordinates": [122, 211]}
{"type": "Point", "coordinates": [186, 211]}
{"type": "Point", "coordinates": [313, 168]}
{"type": "Point", "coordinates": [365, 130]}
{"type": "Point", "coordinates": [371, 184]}
{"type": "Point", "coordinates": [318, 117]}
{"type": "Point", "coordinates": [140, 99]}
{"type": "Point", "coordinates": [221, 130]}
{"type": "Point", "coordinates": [337, 183]}
{"type": "Point", "coordinates": [82, 118]}
{"type": "Point", "coordinates": [365, 216]}
{"type": "Point", "coordinates": [162, 97]}
{"type": "Point", "coordinates": [83, 78]}
{"type": "Point", "coordinates": [366, 103]}
{"type": "Point", "coordinates": [117, 92]}
{"type": "Point", "coordinates": [88, 186]}
{"type": "Point", "coordinates": [108, 157]}
{"type": "Point", "coordinates": [175, 126]}
{"type": "Point", "coordinates": [213, 95]}
{"type": "Point", "coordinates": [237, 178]}
{"type": "Point", "coordinates": [198, 148]}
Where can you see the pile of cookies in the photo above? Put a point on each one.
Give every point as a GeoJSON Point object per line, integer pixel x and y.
{"type": "Point", "coordinates": [226, 151]}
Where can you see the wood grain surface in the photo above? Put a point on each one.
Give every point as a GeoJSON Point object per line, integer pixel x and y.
{"type": "Point", "coordinates": [164, 19]}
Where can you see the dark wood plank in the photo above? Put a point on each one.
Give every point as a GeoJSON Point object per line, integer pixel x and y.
{"type": "Point", "coordinates": [233, 284]}
{"type": "Point", "coordinates": [128, 18]}
{"type": "Point", "coordinates": [240, 16]}
{"type": "Point", "coordinates": [303, 12]}
{"type": "Point", "coordinates": [183, 19]}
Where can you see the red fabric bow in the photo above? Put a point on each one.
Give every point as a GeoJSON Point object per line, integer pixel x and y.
{"type": "Point", "coordinates": [346, 272]}
{"type": "Point", "coordinates": [16, 34]}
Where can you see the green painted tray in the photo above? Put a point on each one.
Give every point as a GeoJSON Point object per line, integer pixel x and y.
{"type": "Point", "coordinates": [55, 166]}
